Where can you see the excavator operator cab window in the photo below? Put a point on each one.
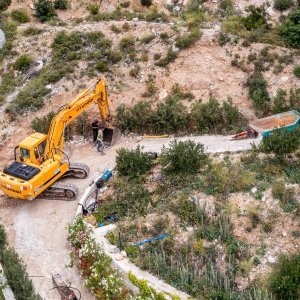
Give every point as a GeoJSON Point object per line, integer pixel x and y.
{"type": "Point", "coordinates": [41, 148]}
{"type": "Point", "coordinates": [36, 153]}
{"type": "Point", "coordinates": [25, 153]}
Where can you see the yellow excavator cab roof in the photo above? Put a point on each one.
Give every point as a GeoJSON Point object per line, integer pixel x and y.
{"type": "Point", "coordinates": [32, 140]}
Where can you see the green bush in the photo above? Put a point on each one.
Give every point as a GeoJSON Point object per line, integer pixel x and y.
{"type": "Point", "coordinates": [183, 157]}
{"type": "Point", "coordinates": [3, 238]}
{"type": "Point", "coordinates": [280, 103]}
{"type": "Point", "coordinates": [189, 39]}
{"type": "Point", "coordinates": [101, 66]}
{"type": "Point", "coordinates": [23, 62]}
{"type": "Point", "coordinates": [44, 10]}
{"type": "Point", "coordinates": [16, 275]}
{"type": "Point", "coordinates": [61, 4]}
{"type": "Point", "coordinates": [258, 92]}
{"type": "Point", "coordinates": [32, 31]}
{"type": "Point", "coordinates": [93, 8]}
{"type": "Point", "coordinates": [256, 19]}
{"type": "Point", "coordinates": [171, 56]}
{"type": "Point", "coordinates": [20, 15]}
{"type": "Point", "coordinates": [281, 142]}
{"type": "Point", "coordinates": [83, 126]}
{"type": "Point", "coordinates": [286, 196]}
{"type": "Point", "coordinates": [210, 117]}
{"type": "Point", "coordinates": [284, 281]}
{"type": "Point", "coordinates": [297, 71]}
{"type": "Point", "coordinates": [127, 44]}
{"type": "Point", "coordinates": [132, 163]}
{"type": "Point", "coordinates": [31, 97]}
{"type": "Point", "coordinates": [290, 29]}
{"type": "Point", "coordinates": [146, 2]}
{"type": "Point", "coordinates": [283, 4]}
{"type": "Point", "coordinates": [42, 124]}
{"type": "Point", "coordinates": [4, 4]}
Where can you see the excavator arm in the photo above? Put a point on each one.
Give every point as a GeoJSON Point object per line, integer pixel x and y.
{"type": "Point", "coordinates": [67, 113]}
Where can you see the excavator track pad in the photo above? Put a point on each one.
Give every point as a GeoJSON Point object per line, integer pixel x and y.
{"type": "Point", "coordinates": [59, 191]}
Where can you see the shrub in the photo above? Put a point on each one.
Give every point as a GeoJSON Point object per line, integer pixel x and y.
{"type": "Point", "coordinates": [283, 4]}
{"type": "Point", "coordinates": [3, 238]}
{"type": "Point", "coordinates": [42, 124]}
{"type": "Point", "coordinates": [183, 157]}
{"type": "Point", "coordinates": [32, 31]}
{"type": "Point", "coordinates": [4, 4]}
{"type": "Point", "coordinates": [284, 281]}
{"type": "Point", "coordinates": [290, 29]}
{"type": "Point", "coordinates": [171, 56]}
{"type": "Point", "coordinates": [285, 195]}
{"type": "Point", "coordinates": [115, 29]}
{"type": "Point", "coordinates": [127, 44]}
{"type": "Point", "coordinates": [279, 102]}
{"type": "Point", "coordinates": [23, 62]}
{"type": "Point", "coordinates": [134, 72]}
{"type": "Point", "coordinates": [16, 275]}
{"type": "Point", "coordinates": [210, 117]}
{"type": "Point", "coordinates": [257, 18]}
{"type": "Point", "coordinates": [146, 2]}
{"type": "Point", "coordinates": [20, 15]}
{"type": "Point", "coordinates": [44, 10]}
{"type": "Point", "coordinates": [170, 116]}
{"type": "Point", "coordinates": [188, 39]}
{"type": "Point", "coordinates": [93, 8]}
{"type": "Point", "coordinates": [151, 88]}
{"type": "Point", "coordinates": [258, 92]}
{"type": "Point", "coordinates": [132, 163]}
{"type": "Point", "coordinates": [297, 71]}
{"type": "Point", "coordinates": [61, 4]}
{"type": "Point", "coordinates": [101, 66]}
{"type": "Point", "coordinates": [31, 97]}
{"type": "Point", "coordinates": [83, 126]}
{"type": "Point", "coordinates": [281, 142]}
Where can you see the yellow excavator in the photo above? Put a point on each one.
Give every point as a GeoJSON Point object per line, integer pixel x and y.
{"type": "Point", "coordinates": [40, 160]}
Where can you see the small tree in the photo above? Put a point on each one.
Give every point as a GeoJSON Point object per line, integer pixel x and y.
{"type": "Point", "coordinates": [281, 142]}
{"type": "Point", "coordinates": [133, 163]}
{"type": "Point", "coordinates": [20, 15]}
{"type": "Point", "coordinates": [44, 10]}
{"type": "Point", "coordinates": [4, 4]}
{"type": "Point", "coordinates": [23, 62]}
{"type": "Point", "coordinates": [184, 157]}
{"type": "Point", "coordinates": [279, 102]}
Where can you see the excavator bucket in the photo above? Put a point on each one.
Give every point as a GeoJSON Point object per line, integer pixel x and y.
{"type": "Point", "coordinates": [110, 136]}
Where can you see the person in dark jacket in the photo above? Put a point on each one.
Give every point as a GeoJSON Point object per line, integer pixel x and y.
{"type": "Point", "coordinates": [95, 126]}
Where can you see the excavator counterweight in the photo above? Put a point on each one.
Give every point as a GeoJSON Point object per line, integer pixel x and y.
{"type": "Point", "coordinates": [39, 158]}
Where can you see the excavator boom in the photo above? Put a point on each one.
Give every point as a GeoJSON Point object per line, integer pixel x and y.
{"type": "Point", "coordinates": [39, 158]}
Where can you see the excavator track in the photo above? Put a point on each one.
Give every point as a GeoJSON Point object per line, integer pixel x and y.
{"type": "Point", "coordinates": [78, 170]}
{"type": "Point", "coordinates": [59, 191]}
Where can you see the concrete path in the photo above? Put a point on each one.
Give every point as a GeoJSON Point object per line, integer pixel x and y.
{"type": "Point", "coordinates": [212, 143]}
{"type": "Point", "coordinates": [124, 265]}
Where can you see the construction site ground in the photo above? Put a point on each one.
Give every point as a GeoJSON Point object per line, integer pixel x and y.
{"type": "Point", "coordinates": [37, 231]}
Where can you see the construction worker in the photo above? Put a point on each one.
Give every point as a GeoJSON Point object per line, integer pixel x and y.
{"type": "Point", "coordinates": [95, 126]}
{"type": "Point", "coordinates": [100, 144]}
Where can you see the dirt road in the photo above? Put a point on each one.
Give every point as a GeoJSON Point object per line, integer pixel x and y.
{"type": "Point", "coordinates": [37, 229]}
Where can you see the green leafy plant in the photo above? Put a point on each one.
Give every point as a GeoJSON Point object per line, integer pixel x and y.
{"type": "Point", "coordinates": [4, 4]}
{"type": "Point", "coordinates": [257, 17]}
{"type": "Point", "coordinates": [258, 92]}
{"type": "Point", "coordinates": [283, 4]}
{"type": "Point", "coordinates": [93, 8]}
{"type": "Point", "coordinates": [23, 62]}
{"type": "Point", "coordinates": [42, 124]}
{"type": "Point", "coordinates": [296, 71]}
{"type": "Point", "coordinates": [280, 103]}
{"type": "Point", "coordinates": [61, 4]}
{"type": "Point", "coordinates": [290, 29]}
{"type": "Point", "coordinates": [44, 10]}
{"type": "Point", "coordinates": [127, 44]}
{"type": "Point", "coordinates": [83, 126]}
{"type": "Point", "coordinates": [187, 40]}
{"type": "Point", "coordinates": [281, 143]}
{"type": "Point", "coordinates": [284, 281]}
{"type": "Point", "coordinates": [183, 157]}
{"type": "Point", "coordinates": [132, 163]}
{"type": "Point", "coordinates": [20, 15]}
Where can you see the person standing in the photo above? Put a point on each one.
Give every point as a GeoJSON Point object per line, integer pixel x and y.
{"type": "Point", "coordinates": [100, 144]}
{"type": "Point", "coordinates": [95, 126]}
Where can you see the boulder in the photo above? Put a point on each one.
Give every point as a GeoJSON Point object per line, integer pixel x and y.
{"type": "Point", "coordinates": [2, 39]}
